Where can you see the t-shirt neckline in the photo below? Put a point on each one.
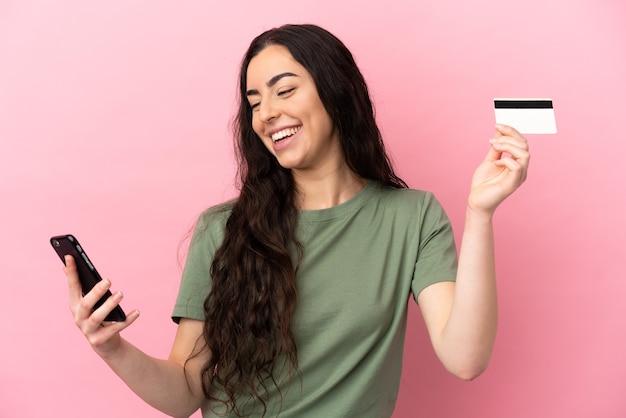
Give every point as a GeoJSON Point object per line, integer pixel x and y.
{"type": "Point", "coordinates": [349, 206]}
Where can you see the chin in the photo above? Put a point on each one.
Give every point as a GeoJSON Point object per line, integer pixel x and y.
{"type": "Point", "coordinates": [288, 163]}
{"type": "Point", "coordinates": [288, 166]}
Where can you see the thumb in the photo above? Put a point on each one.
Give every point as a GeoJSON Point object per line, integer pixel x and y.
{"type": "Point", "coordinates": [493, 154]}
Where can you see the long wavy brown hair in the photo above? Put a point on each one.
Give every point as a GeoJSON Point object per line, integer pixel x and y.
{"type": "Point", "coordinates": [253, 295]}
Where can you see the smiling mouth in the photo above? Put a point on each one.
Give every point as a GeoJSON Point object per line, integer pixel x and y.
{"type": "Point", "coordinates": [285, 133]}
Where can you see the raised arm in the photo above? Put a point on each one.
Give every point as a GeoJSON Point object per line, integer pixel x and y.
{"type": "Point", "coordinates": [161, 383]}
{"type": "Point", "coordinates": [462, 317]}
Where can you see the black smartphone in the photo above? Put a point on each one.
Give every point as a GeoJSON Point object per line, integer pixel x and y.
{"type": "Point", "coordinates": [87, 273]}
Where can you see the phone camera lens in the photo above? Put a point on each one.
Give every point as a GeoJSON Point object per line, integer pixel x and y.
{"type": "Point", "coordinates": [56, 243]}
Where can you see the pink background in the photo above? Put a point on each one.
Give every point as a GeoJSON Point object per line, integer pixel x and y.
{"type": "Point", "coordinates": [114, 127]}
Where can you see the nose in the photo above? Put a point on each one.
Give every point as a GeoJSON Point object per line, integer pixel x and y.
{"type": "Point", "coordinates": [268, 111]}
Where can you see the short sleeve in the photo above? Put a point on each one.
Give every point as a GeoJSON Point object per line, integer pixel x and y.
{"type": "Point", "coordinates": [437, 254]}
{"type": "Point", "coordinates": [196, 279]}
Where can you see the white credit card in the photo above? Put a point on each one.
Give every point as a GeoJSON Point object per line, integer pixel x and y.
{"type": "Point", "coordinates": [528, 116]}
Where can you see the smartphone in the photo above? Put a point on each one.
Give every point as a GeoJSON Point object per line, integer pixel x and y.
{"type": "Point", "coordinates": [87, 273]}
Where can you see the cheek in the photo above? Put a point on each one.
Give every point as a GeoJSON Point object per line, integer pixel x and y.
{"type": "Point", "coordinates": [325, 123]}
{"type": "Point", "coordinates": [319, 113]}
{"type": "Point", "coordinates": [256, 126]}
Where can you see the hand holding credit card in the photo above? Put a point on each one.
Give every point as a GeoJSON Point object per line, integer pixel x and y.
{"type": "Point", "coordinates": [528, 116]}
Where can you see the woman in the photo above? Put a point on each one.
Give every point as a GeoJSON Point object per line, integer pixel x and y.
{"type": "Point", "coordinates": [293, 298]}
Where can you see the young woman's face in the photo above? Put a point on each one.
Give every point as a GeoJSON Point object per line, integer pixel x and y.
{"type": "Point", "coordinates": [288, 115]}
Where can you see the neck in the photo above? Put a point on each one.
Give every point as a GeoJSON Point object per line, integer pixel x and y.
{"type": "Point", "coordinates": [322, 191]}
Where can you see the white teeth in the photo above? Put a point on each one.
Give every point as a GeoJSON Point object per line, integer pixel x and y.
{"type": "Point", "coordinates": [277, 136]}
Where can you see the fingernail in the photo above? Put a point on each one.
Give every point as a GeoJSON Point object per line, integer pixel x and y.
{"type": "Point", "coordinates": [106, 283]}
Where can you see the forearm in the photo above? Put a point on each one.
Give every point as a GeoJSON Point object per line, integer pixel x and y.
{"type": "Point", "coordinates": [469, 334]}
{"type": "Point", "coordinates": [462, 318]}
{"type": "Point", "coordinates": [160, 383]}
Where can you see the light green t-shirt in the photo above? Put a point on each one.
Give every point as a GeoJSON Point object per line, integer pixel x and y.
{"type": "Point", "coordinates": [362, 261]}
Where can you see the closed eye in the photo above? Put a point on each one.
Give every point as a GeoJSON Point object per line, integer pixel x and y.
{"type": "Point", "coordinates": [282, 93]}
{"type": "Point", "coordinates": [286, 92]}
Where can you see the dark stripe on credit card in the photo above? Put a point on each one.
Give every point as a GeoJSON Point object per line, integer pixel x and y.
{"type": "Point", "coordinates": [523, 104]}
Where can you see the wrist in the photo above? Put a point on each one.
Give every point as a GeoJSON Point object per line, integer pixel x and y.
{"type": "Point", "coordinates": [112, 351]}
{"type": "Point", "coordinates": [478, 215]}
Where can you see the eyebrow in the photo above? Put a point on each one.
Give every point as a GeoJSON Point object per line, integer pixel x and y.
{"type": "Point", "coordinates": [271, 82]}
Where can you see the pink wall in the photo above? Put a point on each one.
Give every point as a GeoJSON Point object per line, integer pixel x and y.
{"type": "Point", "coordinates": [114, 127]}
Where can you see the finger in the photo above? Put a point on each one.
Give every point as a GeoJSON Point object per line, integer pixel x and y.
{"type": "Point", "coordinates": [509, 143]}
{"type": "Point", "coordinates": [99, 315]}
{"type": "Point", "coordinates": [516, 148]}
{"type": "Point", "coordinates": [505, 130]}
{"type": "Point", "coordinates": [516, 153]}
{"type": "Point", "coordinates": [517, 159]}
{"type": "Point", "coordinates": [517, 171]}
{"type": "Point", "coordinates": [85, 307]}
{"type": "Point", "coordinates": [108, 329]}
{"type": "Point", "coordinates": [504, 133]}
{"type": "Point", "coordinates": [493, 154]}
{"type": "Point", "coordinates": [73, 282]}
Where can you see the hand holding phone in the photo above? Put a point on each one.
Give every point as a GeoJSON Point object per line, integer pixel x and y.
{"type": "Point", "coordinates": [87, 273]}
